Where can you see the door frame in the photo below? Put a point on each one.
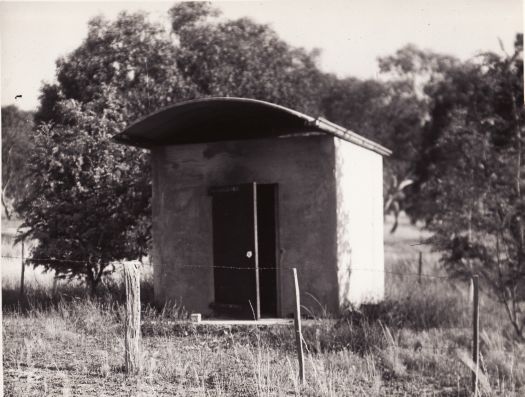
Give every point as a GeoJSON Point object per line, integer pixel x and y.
{"type": "Point", "coordinates": [278, 275]}
{"type": "Point", "coordinates": [256, 253]}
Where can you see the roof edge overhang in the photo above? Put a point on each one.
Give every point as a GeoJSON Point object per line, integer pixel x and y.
{"type": "Point", "coordinates": [136, 135]}
{"type": "Point", "coordinates": [350, 136]}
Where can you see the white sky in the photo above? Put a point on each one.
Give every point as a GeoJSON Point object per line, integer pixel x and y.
{"type": "Point", "coordinates": [350, 33]}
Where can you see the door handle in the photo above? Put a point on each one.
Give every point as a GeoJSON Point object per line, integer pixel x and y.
{"type": "Point", "coordinates": [249, 254]}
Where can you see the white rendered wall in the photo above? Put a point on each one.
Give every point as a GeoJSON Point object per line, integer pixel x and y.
{"type": "Point", "coordinates": [359, 176]}
{"type": "Point", "coordinates": [182, 252]}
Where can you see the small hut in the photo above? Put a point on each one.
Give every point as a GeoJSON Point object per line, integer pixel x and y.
{"type": "Point", "coordinates": [245, 190]}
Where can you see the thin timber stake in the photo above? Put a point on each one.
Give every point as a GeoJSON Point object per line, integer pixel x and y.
{"type": "Point", "coordinates": [475, 333]}
{"type": "Point", "coordinates": [297, 324]}
{"type": "Point", "coordinates": [132, 319]}
{"type": "Point", "coordinates": [23, 272]}
{"type": "Point", "coordinates": [420, 266]}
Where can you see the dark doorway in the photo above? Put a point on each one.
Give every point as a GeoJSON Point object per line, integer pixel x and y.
{"type": "Point", "coordinates": [244, 250]}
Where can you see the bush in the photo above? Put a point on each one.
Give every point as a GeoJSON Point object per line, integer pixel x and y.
{"type": "Point", "coordinates": [423, 307]}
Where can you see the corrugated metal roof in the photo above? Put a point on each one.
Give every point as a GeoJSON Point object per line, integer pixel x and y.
{"type": "Point", "coordinates": [227, 118]}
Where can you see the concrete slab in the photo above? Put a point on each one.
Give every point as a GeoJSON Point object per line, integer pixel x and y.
{"type": "Point", "coordinates": [263, 321]}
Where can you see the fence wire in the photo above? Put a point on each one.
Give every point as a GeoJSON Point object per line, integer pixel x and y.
{"type": "Point", "coordinates": [423, 298]}
{"type": "Point", "coordinates": [260, 268]}
{"type": "Point", "coordinates": [456, 316]}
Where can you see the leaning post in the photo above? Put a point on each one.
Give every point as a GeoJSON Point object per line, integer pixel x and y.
{"type": "Point", "coordinates": [132, 318]}
{"type": "Point", "coordinates": [420, 267]}
{"type": "Point", "coordinates": [475, 333]}
{"type": "Point", "coordinates": [297, 325]}
{"type": "Point", "coordinates": [22, 276]}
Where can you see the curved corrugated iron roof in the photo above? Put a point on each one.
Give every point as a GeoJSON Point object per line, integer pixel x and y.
{"type": "Point", "coordinates": [228, 118]}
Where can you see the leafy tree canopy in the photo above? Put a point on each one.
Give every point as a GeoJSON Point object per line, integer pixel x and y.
{"type": "Point", "coordinates": [389, 112]}
{"type": "Point", "coordinates": [129, 64]}
{"type": "Point", "coordinates": [245, 59]}
{"type": "Point", "coordinates": [16, 146]}
{"type": "Point", "coordinates": [88, 202]}
{"type": "Point", "coordinates": [470, 175]}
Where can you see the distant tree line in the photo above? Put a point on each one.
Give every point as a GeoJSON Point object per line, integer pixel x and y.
{"type": "Point", "coordinates": [455, 128]}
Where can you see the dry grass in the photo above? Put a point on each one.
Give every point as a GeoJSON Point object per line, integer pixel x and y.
{"type": "Point", "coordinates": [415, 343]}
{"type": "Point", "coordinates": [74, 346]}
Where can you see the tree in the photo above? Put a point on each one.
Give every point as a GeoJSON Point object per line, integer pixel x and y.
{"type": "Point", "coordinates": [16, 145]}
{"type": "Point", "coordinates": [87, 204]}
{"type": "Point", "coordinates": [470, 175]}
{"type": "Point", "coordinates": [243, 58]}
{"type": "Point", "coordinates": [387, 112]}
{"type": "Point", "coordinates": [130, 62]}
{"type": "Point", "coordinates": [408, 73]}
{"type": "Point", "coordinates": [88, 199]}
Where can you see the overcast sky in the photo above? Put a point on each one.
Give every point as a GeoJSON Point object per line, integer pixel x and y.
{"type": "Point", "coordinates": [351, 33]}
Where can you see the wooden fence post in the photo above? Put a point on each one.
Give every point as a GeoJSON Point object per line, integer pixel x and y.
{"type": "Point", "coordinates": [475, 333]}
{"type": "Point", "coordinates": [420, 266]}
{"type": "Point", "coordinates": [132, 319]}
{"type": "Point", "coordinates": [23, 272]}
{"type": "Point", "coordinates": [297, 325]}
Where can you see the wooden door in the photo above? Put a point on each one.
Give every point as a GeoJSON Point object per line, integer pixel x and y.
{"type": "Point", "coordinates": [235, 251]}
{"type": "Point", "coordinates": [245, 250]}
{"type": "Point", "coordinates": [245, 245]}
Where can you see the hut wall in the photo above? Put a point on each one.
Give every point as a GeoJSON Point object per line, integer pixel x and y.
{"type": "Point", "coordinates": [303, 167]}
{"type": "Point", "coordinates": [359, 175]}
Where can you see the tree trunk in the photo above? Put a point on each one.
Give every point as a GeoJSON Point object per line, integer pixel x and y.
{"type": "Point", "coordinates": [4, 186]}
{"type": "Point", "coordinates": [5, 205]}
{"type": "Point", "coordinates": [92, 282]}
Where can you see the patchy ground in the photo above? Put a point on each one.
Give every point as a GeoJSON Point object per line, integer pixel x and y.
{"type": "Point", "coordinates": [77, 350]}
{"type": "Point", "coordinates": [415, 343]}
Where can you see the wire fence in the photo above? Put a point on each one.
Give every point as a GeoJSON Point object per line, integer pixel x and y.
{"type": "Point", "coordinates": [456, 308]}
{"type": "Point", "coordinates": [37, 261]}
{"type": "Point", "coordinates": [451, 310]}
{"type": "Point", "coordinates": [393, 288]}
